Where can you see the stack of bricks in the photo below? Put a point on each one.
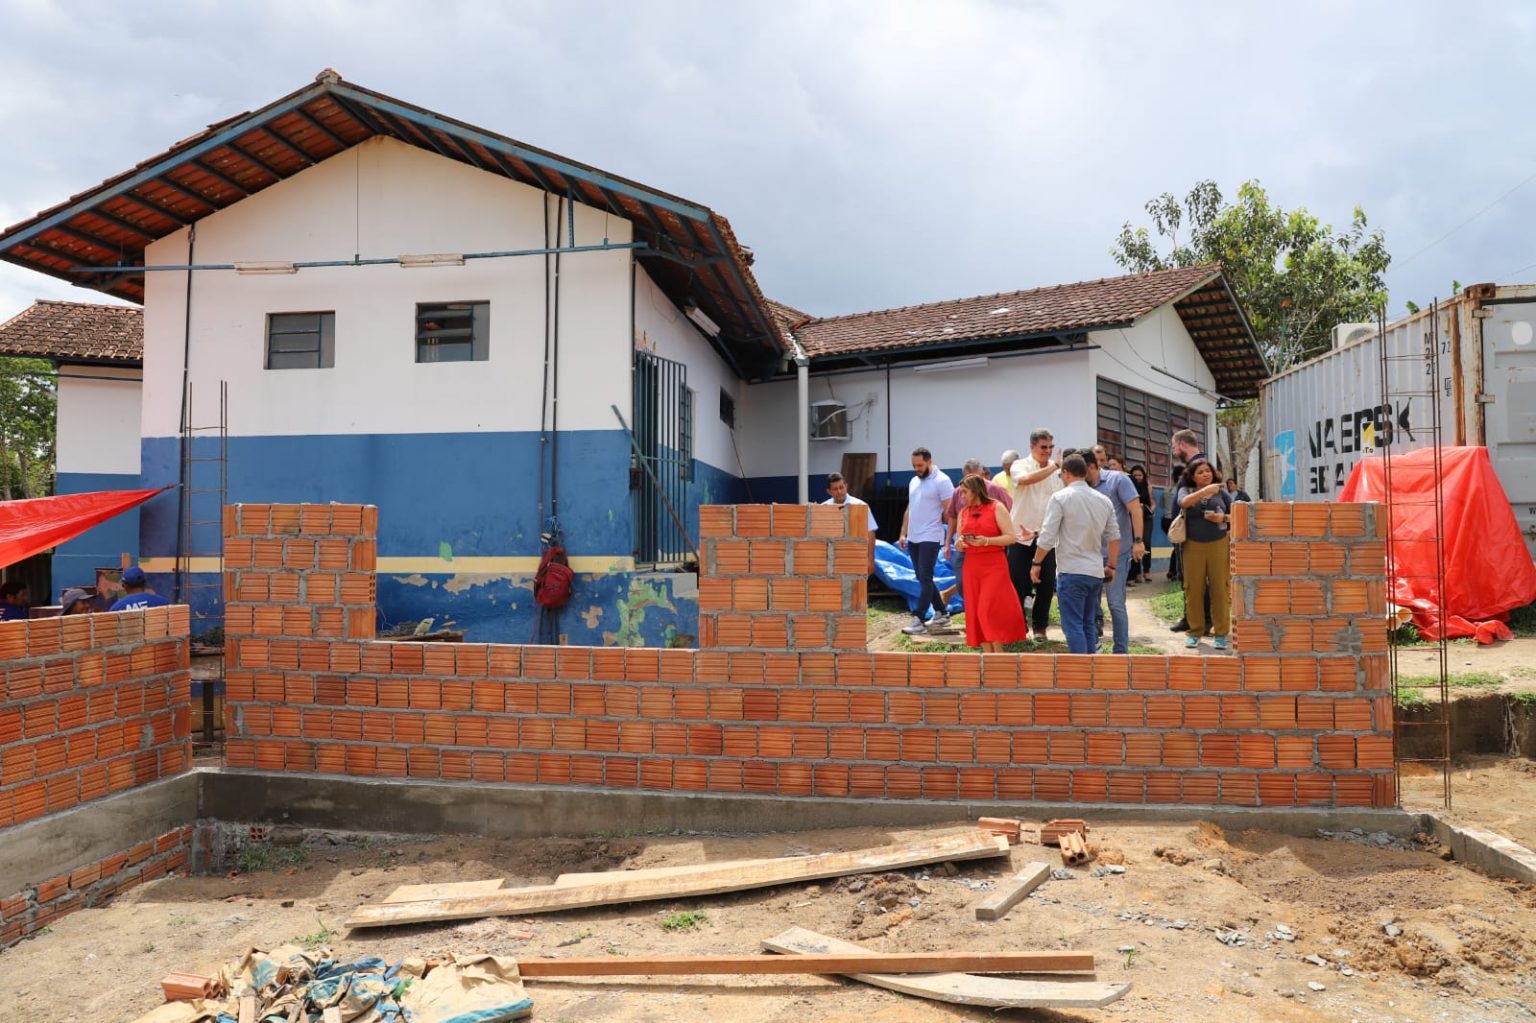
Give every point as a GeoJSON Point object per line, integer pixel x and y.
{"type": "Point", "coordinates": [92, 704]}
{"type": "Point", "coordinates": [1309, 611]}
{"type": "Point", "coordinates": [782, 577]}
{"type": "Point", "coordinates": [755, 714]}
{"type": "Point", "coordinates": [35, 907]}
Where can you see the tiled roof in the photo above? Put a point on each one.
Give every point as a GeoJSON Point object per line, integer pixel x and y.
{"type": "Point", "coordinates": [1065, 308]}
{"type": "Point", "coordinates": [75, 331]}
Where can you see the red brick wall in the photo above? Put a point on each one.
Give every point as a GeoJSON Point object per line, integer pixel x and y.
{"type": "Point", "coordinates": [92, 704]}
{"type": "Point", "coordinates": [797, 707]}
{"type": "Point", "coordinates": [31, 909]}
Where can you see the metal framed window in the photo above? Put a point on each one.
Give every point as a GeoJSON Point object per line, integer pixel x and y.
{"type": "Point", "coordinates": [301, 340]}
{"type": "Point", "coordinates": [453, 332]}
{"type": "Point", "coordinates": [727, 408]}
{"type": "Point", "coordinates": [1135, 426]}
{"type": "Point", "coordinates": [662, 469]}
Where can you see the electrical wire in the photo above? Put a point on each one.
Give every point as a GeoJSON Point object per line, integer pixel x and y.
{"type": "Point", "coordinates": [1402, 263]}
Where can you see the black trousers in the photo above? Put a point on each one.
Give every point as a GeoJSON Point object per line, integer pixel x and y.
{"type": "Point", "coordinates": [1020, 557]}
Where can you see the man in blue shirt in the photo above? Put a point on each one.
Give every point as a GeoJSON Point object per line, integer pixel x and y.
{"type": "Point", "coordinates": [135, 597]}
{"type": "Point", "coordinates": [922, 534]}
{"type": "Point", "coordinates": [1121, 491]}
{"type": "Point", "coordinates": [13, 601]}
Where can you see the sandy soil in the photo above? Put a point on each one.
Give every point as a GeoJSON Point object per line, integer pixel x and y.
{"type": "Point", "coordinates": [1467, 948]}
{"type": "Point", "coordinates": [1492, 792]}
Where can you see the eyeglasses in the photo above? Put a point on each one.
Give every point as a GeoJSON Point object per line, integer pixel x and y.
{"type": "Point", "coordinates": [1046, 447]}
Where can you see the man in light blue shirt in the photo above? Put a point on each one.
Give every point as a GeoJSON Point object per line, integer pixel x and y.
{"type": "Point", "coordinates": [1079, 523]}
{"type": "Point", "coordinates": [1121, 491]}
{"type": "Point", "coordinates": [922, 534]}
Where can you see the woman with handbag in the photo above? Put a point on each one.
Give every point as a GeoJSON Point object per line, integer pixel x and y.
{"type": "Point", "coordinates": [1205, 509]}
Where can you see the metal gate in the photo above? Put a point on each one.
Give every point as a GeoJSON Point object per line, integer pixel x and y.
{"type": "Point", "coordinates": [663, 435]}
{"type": "Point", "coordinates": [1509, 404]}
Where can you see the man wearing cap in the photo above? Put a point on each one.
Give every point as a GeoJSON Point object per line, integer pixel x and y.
{"type": "Point", "coordinates": [135, 597]}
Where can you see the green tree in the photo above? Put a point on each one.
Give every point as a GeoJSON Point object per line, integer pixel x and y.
{"type": "Point", "coordinates": [28, 405]}
{"type": "Point", "coordinates": [1294, 276]}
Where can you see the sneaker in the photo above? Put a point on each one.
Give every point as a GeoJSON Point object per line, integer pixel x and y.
{"type": "Point", "coordinates": [1191, 642]}
{"type": "Point", "coordinates": [917, 628]}
{"type": "Point", "coordinates": [1029, 603]}
{"type": "Point", "coordinates": [1182, 625]}
{"type": "Point", "coordinates": [939, 621]}
{"type": "Point", "coordinates": [1221, 642]}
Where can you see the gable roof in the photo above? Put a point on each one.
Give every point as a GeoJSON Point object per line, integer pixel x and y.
{"type": "Point", "coordinates": [80, 332]}
{"type": "Point", "coordinates": [689, 250]}
{"type": "Point", "coordinates": [1199, 293]}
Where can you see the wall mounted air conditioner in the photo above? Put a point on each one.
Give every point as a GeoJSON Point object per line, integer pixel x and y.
{"type": "Point", "coordinates": [1346, 334]}
{"type": "Point", "coordinates": [829, 420]}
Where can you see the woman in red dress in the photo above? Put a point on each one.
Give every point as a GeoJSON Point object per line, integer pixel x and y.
{"type": "Point", "coordinates": [992, 613]}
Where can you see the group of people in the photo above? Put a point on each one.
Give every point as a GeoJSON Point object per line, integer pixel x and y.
{"type": "Point", "coordinates": [1069, 526]}
{"type": "Point", "coordinates": [16, 604]}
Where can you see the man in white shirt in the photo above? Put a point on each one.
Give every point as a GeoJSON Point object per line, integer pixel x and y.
{"type": "Point", "coordinates": [837, 491]}
{"type": "Point", "coordinates": [1080, 528]}
{"type": "Point", "coordinates": [922, 534]}
{"type": "Point", "coordinates": [1035, 479]}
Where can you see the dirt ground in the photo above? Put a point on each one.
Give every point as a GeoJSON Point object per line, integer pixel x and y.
{"type": "Point", "coordinates": [1496, 793]}
{"type": "Point", "coordinates": [1466, 948]}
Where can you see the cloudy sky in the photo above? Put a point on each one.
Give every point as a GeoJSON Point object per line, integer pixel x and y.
{"type": "Point", "coordinates": [871, 153]}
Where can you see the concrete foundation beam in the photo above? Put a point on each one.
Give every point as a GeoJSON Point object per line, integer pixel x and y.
{"type": "Point", "coordinates": [1483, 849]}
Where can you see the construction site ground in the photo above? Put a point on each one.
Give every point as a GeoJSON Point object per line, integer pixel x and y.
{"type": "Point", "coordinates": [1197, 922]}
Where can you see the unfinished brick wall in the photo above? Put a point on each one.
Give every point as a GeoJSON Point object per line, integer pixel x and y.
{"type": "Point", "coordinates": [35, 907]}
{"type": "Point", "coordinates": [1280, 724]}
{"type": "Point", "coordinates": [92, 704]}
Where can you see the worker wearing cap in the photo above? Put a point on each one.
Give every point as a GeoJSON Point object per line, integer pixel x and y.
{"type": "Point", "coordinates": [135, 597]}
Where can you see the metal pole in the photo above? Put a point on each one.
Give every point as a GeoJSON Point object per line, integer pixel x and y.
{"type": "Point", "coordinates": [803, 402]}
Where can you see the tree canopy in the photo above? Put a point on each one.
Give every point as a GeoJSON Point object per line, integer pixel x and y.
{"type": "Point", "coordinates": [1295, 277]}
{"type": "Point", "coordinates": [28, 404]}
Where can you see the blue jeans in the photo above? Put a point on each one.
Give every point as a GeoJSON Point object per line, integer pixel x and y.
{"type": "Point", "coordinates": [924, 557]}
{"type": "Point", "coordinates": [1077, 596]}
{"type": "Point", "coordinates": [1114, 593]}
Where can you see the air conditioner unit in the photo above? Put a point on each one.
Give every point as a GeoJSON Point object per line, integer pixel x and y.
{"type": "Point", "coordinates": [1346, 334]}
{"type": "Point", "coordinates": [829, 420]}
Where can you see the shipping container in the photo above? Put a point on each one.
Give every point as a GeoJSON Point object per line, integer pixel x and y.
{"type": "Point", "coordinates": [1323, 416]}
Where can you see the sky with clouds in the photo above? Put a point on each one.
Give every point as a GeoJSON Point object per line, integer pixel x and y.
{"type": "Point", "coordinates": [871, 153]}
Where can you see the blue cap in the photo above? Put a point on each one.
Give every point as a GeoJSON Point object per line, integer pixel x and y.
{"type": "Point", "coordinates": [133, 576]}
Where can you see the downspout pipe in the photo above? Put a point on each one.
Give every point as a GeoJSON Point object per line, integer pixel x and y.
{"type": "Point", "coordinates": [803, 390]}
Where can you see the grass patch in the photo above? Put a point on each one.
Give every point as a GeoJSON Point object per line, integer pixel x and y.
{"type": "Point", "coordinates": [257, 857]}
{"type": "Point", "coordinates": [319, 939]}
{"type": "Point", "coordinates": [1411, 699]}
{"type": "Point", "coordinates": [1413, 690]}
{"type": "Point", "coordinates": [1168, 605]}
{"type": "Point", "coordinates": [1525, 698]}
{"type": "Point", "coordinates": [1522, 620]}
{"type": "Point", "coordinates": [686, 920]}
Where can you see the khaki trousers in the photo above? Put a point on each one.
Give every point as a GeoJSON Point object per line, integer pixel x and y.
{"type": "Point", "coordinates": [1207, 563]}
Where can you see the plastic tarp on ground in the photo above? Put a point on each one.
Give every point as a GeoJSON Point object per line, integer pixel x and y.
{"type": "Point", "coordinates": [1488, 569]}
{"type": "Point", "coordinates": [893, 567]}
{"type": "Point", "coordinates": [32, 526]}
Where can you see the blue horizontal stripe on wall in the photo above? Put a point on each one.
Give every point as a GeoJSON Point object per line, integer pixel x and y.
{"type": "Point", "coordinates": [75, 561]}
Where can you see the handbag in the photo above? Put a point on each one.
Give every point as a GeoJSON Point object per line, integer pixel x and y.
{"type": "Point", "coordinates": [1176, 529]}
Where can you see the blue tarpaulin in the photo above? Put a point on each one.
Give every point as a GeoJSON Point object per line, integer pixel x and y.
{"type": "Point", "coordinates": [893, 567]}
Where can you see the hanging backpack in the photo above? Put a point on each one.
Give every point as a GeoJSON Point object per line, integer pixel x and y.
{"type": "Point", "coordinates": [552, 582]}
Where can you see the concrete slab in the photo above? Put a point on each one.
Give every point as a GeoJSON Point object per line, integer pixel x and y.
{"type": "Point", "coordinates": [526, 811]}
{"type": "Point", "coordinates": [1493, 853]}
{"type": "Point", "coordinates": [62, 842]}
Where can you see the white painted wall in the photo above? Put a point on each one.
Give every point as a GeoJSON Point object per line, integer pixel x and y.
{"type": "Point", "coordinates": [98, 419]}
{"type": "Point", "coordinates": [957, 414]}
{"type": "Point", "coordinates": [662, 329]}
{"type": "Point", "coordinates": [1157, 339]}
{"type": "Point", "coordinates": [384, 198]}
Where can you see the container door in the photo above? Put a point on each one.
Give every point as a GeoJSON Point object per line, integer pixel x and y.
{"type": "Point", "coordinates": [1509, 405]}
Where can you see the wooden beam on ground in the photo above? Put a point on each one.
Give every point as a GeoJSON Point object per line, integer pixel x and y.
{"type": "Point", "coordinates": [1012, 891]}
{"type": "Point", "coordinates": [958, 988]}
{"type": "Point", "coordinates": [829, 962]}
{"type": "Point", "coordinates": [706, 880]}
{"type": "Point", "coordinates": [247, 1009]}
{"type": "Point", "coordinates": [450, 890]}
{"type": "Point", "coordinates": [609, 876]}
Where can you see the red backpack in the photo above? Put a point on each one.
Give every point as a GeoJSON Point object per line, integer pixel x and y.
{"type": "Point", "coordinates": [552, 582]}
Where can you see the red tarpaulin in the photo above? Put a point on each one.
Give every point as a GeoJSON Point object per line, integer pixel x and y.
{"type": "Point", "coordinates": [1488, 570]}
{"type": "Point", "coordinates": [30, 527]}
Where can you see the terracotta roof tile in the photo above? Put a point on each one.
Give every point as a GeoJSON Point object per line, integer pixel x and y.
{"type": "Point", "coordinates": [1064, 308]}
{"type": "Point", "coordinates": [75, 331]}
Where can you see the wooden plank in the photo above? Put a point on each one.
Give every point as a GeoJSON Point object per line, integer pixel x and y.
{"type": "Point", "coordinates": [826, 962]}
{"type": "Point", "coordinates": [448, 890]}
{"type": "Point", "coordinates": [247, 1009]}
{"type": "Point", "coordinates": [959, 988]}
{"type": "Point", "coordinates": [602, 876]}
{"type": "Point", "coordinates": [969, 845]}
{"type": "Point", "coordinates": [1013, 891]}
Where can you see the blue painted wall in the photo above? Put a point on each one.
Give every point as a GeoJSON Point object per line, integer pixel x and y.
{"type": "Point", "coordinates": [468, 495]}
{"type": "Point", "coordinates": [75, 561]}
